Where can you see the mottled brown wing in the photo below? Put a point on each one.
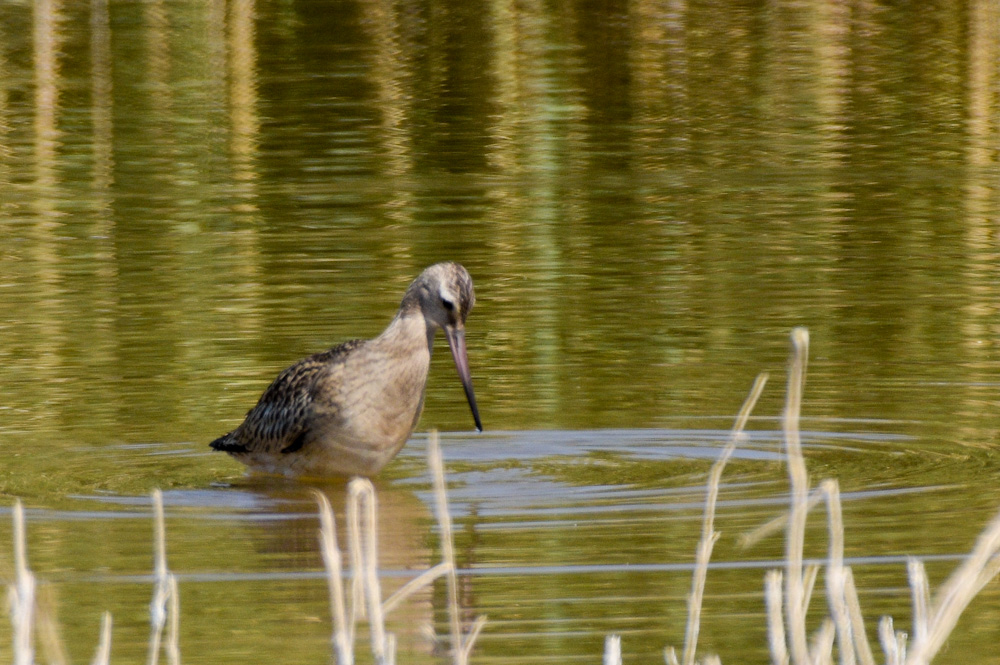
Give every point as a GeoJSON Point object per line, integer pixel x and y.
{"type": "Point", "coordinates": [280, 420]}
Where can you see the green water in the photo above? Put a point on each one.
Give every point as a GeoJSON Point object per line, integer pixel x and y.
{"type": "Point", "coordinates": [648, 195]}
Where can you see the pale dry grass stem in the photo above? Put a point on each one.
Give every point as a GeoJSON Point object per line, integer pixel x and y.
{"type": "Point", "coordinates": [21, 594]}
{"type": "Point", "coordinates": [795, 598]}
{"type": "Point", "coordinates": [165, 605]}
{"type": "Point", "coordinates": [613, 650]}
{"type": "Point", "coordinates": [773, 600]}
{"type": "Point", "coordinates": [362, 509]}
{"type": "Point", "coordinates": [981, 566]}
{"type": "Point", "coordinates": [708, 534]}
{"type": "Point", "coordinates": [461, 646]}
{"type": "Point", "coordinates": [343, 630]}
{"type": "Point", "coordinates": [103, 654]}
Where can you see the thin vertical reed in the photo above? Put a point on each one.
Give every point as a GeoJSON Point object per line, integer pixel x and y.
{"type": "Point", "coordinates": [436, 463]}
{"type": "Point", "coordinates": [774, 602]}
{"type": "Point", "coordinates": [862, 648]}
{"type": "Point", "coordinates": [835, 577]}
{"type": "Point", "coordinates": [613, 650]}
{"type": "Point", "coordinates": [821, 650]}
{"type": "Point", "coordinates": [47, 628]}
{"type": "Point", "coordinates": [708, 534]}
{"type": "Point", "coordinates": [362, 502]}
{"type": "Point", "coordinates": [103, 654]}
{"type": "Point", "coordinates": [343, 633]}
{"type": "Point", "coordinates": [354, 546]}
{"type": "Point", "coordinates": [921, 595]}
{"type": "Point", "coordinates": [22, 594]}
{"type": "Point", "coordinates": [174, 629]}
{"type": "Point", "coordinates": [809, 583]}
{"type": "Point", "coordinates": [893, 643]}
{"type": "Point", "coordinates": [460, 648]}
{"type": "Point", "coordinates": [166, 601]}
{"type": "Point", "coordinates": [795, 611]}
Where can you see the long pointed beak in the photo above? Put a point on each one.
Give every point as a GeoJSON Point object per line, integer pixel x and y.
{"type": "Point", "coordinates": [456, 342]}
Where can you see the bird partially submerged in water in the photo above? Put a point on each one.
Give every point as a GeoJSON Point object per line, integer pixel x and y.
{"type": "Point", "coordinates": [349, 410]}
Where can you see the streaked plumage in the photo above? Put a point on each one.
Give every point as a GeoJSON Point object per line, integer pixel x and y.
{"type": "Point", "coordinates": [349, 410]}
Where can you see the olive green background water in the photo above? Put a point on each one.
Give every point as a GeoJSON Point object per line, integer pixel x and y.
{"type": "Point", "coordinates": [649, 196]}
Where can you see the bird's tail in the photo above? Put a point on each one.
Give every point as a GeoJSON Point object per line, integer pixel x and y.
{"type": "Point", "coordinates": [227, 444]}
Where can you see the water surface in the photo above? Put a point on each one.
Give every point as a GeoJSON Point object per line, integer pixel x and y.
{"type": "Point", "coordinates": [649, 196]}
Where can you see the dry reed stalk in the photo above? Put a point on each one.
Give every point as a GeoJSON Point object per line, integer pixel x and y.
{"type": "Point", "coordinates": [613, 650]}
{"type": "Point", "coordinates": [21, 594]}
{"type": "Point", "coordinates": [363, 508]}
{"type": "Point", "coordinates": [835, 572]}
{"type": "Point", "coordinates": [103, 654]}
{"type": "Point", "coordinates": [795, 608]}
{"type": "Point", "coordinates": [165, 603]}
{"type": "Point", "coordinates": [343, 631]}
{"type": "Point", "coordinates": [921, 595]}
{"type": "Point", "coordinates": [425, 579]}
{"type": "Point", "coordinates": [862, 648]}
{"type": "Point", "coordinates": [708, 534]}
{"type": "Point", "coordinates": [821, 648]}
{"type": "Point", "coordinates": [774, 602]}
{"type": "Point", "coordinates": [472, 635]}
{"type": "Point", "coordinates": [173, 633]}
{"type": "Point", "coordinates": [47, 627]}
{"type": "Point", "coordinates": [461, 648]}
{"type": "Point", "coordinates": [780, 522]}
{"type": "Point", "coordinates": [356, 550]}
{"type": "Point", "coordinates": [893, 642]}
{"type": "Point", "coordinates": [956, 593]}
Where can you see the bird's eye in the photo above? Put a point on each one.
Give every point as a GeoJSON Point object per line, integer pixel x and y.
{"type": "Point", "coordinates": [448, 305]}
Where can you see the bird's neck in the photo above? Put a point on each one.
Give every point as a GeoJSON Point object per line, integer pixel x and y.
{"type": "Point", "coordinates": [408, 331]}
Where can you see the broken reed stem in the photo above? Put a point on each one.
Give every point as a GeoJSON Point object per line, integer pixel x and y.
{"type": "Point", "coordinates": [708, 534]}
{"type": "Point", "coordinates": [778, 523]}
{"type": "Point", "coordinates": [416, 584]}
{"type": "Point", "coordinates": [795, 610]}
{"type": "Point", "coordinates": [343, 633]}
{"type": "Point", "coordinates": [470, 637]}
{"type": "Point", "coordinates": [22, 594]}
{"type": "Point", "coordinates": [102, 656]}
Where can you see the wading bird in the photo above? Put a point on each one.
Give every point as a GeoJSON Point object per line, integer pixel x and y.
{"type": "Point", "coordinates": [349, 410]}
